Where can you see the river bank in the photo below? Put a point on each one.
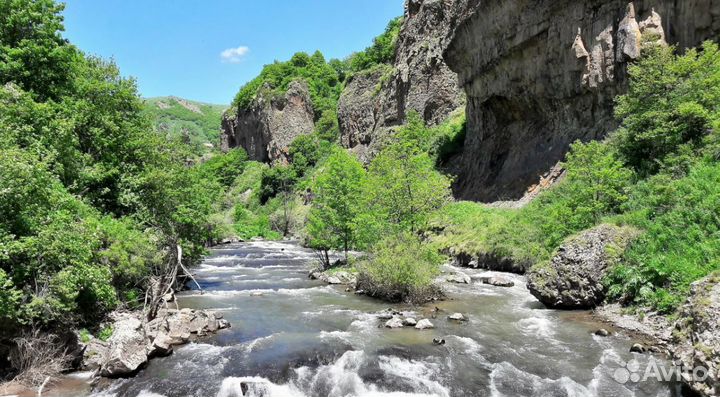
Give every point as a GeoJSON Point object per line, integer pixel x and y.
{"type": "Point", "coordinates": [293, 336]}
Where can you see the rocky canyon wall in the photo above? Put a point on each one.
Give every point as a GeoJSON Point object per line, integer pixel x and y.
{"type": "Point", "coordinates": [378, 100]}
{"type": "Point", "coordinates": [540, 74]}
{"type": "Point", "coordinates": [267, 127]}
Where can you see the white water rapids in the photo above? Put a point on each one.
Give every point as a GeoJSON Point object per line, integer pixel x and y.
{"type": "Point", "coordinates": [292, 336]}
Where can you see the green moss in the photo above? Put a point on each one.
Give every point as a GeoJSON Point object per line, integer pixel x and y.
{"type": "Point", "coordinates": [105, 333]}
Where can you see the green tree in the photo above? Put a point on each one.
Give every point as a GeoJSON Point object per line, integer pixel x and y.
{"type": "Point", "coordinates": [381, 51]}
{"type": "Point", "coordinates": [595, 186]}
{"type": "Point", "coordinates": [306, 151]}
{"type": "Point", "coordinates": [275, 181]}
{"type": "Point", "coordinates": [225, 167]}
{"type": "Point", "coordinates": [327, 127]}
{"type": "Point", "coordinates": [33, 54]}
{"type": "Point", "coordinates": [337, 201]}
{"type": "Point", "coordinates": [671, 105]}
{"type": "Point", "coordinates": [403, 187]}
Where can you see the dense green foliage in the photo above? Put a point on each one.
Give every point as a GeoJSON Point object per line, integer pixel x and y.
{"type": "Point", "coordinates": [91, 198]}
{"type": "Point", "coordinates": [325, 79]}
{"type": "Point", "coordinates": [380, 210]}
{"type": "Point", "coordinates": [672, 104]}
{"type": "Point", "coordinates": [400, 268]}
{"type": "Point", "coordinates": [658, 173]}
{"type": "Point", "coordinates": [192, 123]}
{"type": "Point", "coordinates": [680, 244]}
{"type": "Point", "coordinates": [33, 54]}
{"type": "Point", "coordinates": [381, 51]}
{"type": "Point", "coordinates": [248, 216]}
{"type": "Point", "coordinates": [321, 77]}
{"type": "Point", "coordinates": [403, 187]}
{"type": "Point", "coordinates": [337, 203]}
{"type": "Point", "coordinates": [225, 168]}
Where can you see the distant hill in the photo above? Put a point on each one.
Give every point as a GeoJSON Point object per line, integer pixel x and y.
{"type": "Point", "coordinates": [195, 123]}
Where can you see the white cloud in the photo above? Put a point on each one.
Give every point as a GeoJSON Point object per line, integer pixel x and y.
{"type": "Point", "coordinates": [234, 55]}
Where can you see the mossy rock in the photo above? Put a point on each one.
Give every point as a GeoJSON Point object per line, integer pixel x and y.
{"type": "Point", "coordinates": [572, 279]}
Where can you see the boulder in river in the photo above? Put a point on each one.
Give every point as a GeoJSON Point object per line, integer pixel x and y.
{"type": "Point", "coordinates": [459, 278]}
{"type": "Point", "coordinates": [94, 354]}
{"type": "Point", "coordinates": [133, 342]}
{"type": "Point", "coordinates": [457, 317]}
{"type": "Point", "coordinates": [385, 315]}
{"type": "Point", "coordinates": [424, 324]}
{"type": "Point", "coordinates": [572, 279]}
{"type": "Point", "coordinates": [637, 348]}
{"type": "Point", "coordinates": [394, 322]}
{"type": "Point", "coordinates": [409, 322]}
{"type": "Point", "coordinates": [697, 335]}
{"type": "Point", "coordinates": [602, 332]}
{"type": "Point", "coordinates": [499, 281]}
{"type": "Point", "coordinates": [126, 348]}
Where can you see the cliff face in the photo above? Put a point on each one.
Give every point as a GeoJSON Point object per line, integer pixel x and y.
{"type": "Point", "coordinates": [375, 101]}
{"type": "Point", "coordinates": [541, 74]}
{"type": "Point", "coordinates": [267, 127]}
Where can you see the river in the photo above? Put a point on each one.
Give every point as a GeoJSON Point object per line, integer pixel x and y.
{"type": "Point", "coordinates": [292, 336]}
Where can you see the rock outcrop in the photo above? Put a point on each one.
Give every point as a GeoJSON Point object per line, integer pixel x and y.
{"type": "Point", "coordinates": [267, 127]}
{"type": "Point", "coordinates": [573, 277]}
{"type": "Point", "coordinates": [376, 101]}
{"type": "Point", "coordinates": [697, 336]}
{"type": "Point", "coordinates": [539, 75]}
{"type": "Point", "coordinates": [126, 348]}
{"type": "Point", "coordinates": [334, 277]}
{"type": "Point", "coordinates": [134, 342]}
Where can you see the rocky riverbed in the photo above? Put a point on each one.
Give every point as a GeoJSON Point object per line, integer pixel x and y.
{"type": "Point", "coordinates": [292, 336]}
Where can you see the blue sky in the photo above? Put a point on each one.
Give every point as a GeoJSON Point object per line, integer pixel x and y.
{"type": "Point", "coordinates": [175, 47]}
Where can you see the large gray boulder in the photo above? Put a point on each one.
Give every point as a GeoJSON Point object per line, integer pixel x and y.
{"type": "Point", "coordinates": [697, 336]}
{"type": "Point", "coordinates": [572, 279]}
{"type": "Point", "coordinates": [134, 342]}
{"type": "Point", "coordinates": [126, 351]}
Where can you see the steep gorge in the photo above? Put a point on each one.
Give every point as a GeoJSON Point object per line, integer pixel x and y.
{"type": "Point", "coordinates": [377, 100]}
{"type": "Point", "coordinates": [267, 127]}
{"type": "Point", "coordinates": [534, 76]}
{"type": "Point", "coordinates": [541, 74]}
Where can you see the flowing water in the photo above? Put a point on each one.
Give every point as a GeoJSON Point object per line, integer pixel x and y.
{"type": "Point", "coordinates": [292, 336]}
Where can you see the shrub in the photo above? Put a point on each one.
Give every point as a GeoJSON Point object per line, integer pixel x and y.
{"type": "Point", "coordinates": [225, 167]}
{"type": "Point", "coordinates": [680, 244]}
{"type": "Point", "coordinates": [249, 225]}
{"type": "Point", "coordinates": [381, 51]}
{"type": "Point", "coordinates": [400, 268]}
{"type": "Point", "coordinates": [670, 106]}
